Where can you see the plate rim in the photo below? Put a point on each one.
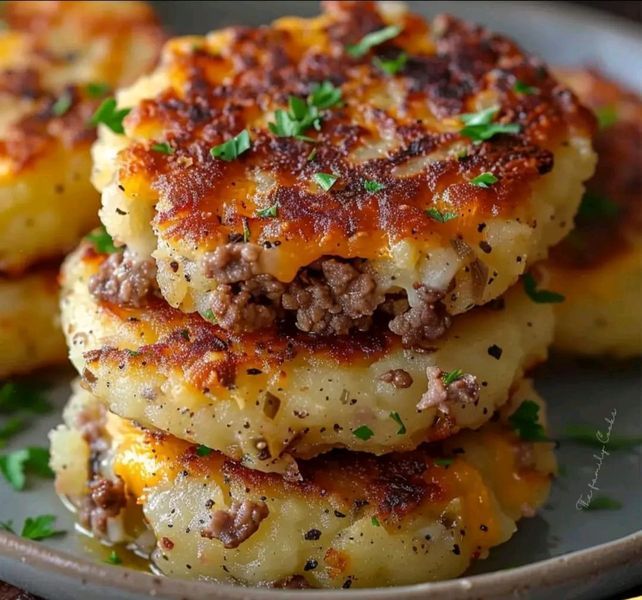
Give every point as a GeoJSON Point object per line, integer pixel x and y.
{"type": "Point", "coordinates": [553, 571]}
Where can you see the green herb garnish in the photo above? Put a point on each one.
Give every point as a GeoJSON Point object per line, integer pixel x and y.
{"type": "Point", "coordinates": [110, 116]}
{"type": "Point", "coordinates": [603, 503]}
{"type": "Point", "coordinates": [391, 66]}
{"type": "Point", "coordinates": [209, 316]}
{"type": "Point", "coordinates": [479, 126]}
{"type": "Point", "coordinates": [588, 436]}
{"type": "Point", "coordinates": [540, 296]}
{"type": "Point", "coordinates": [606, 116]}
{"type": "Point", "coordinates": [397, 419]}
{"type": "Point", "coordinates": [102, 241]}
{"type": "Point", "coordinates": [39, 528]}
{"type": "Point", "coordinates": [246, 231]}
{"type": "Point", "coordinates": [114, 559]}
{"type": "Point", "coordinates": [163, 148]}
{"type": "Point", "coordinates": [525, 421]}
{"type": "Point", "coordinates": [484, 180]}
{"type": "Point", "coordinates": [363, 433]}
{"type": "Point", "coordinates": [373, 39]}
{"type": "Point", "coordinates": [440, 217]}
{"type": "Point", "coordinates": [97, 89]}
{"type": "Point", "coordinates": [375, 522]}
{"type": "Point", "coordinates": [203, 450]}
{"type": "Point", "coordinates": [443, 462]}
{"type": "Point", "coordinates": [15, 465]}
{"type": "Point", "coordinates": [23, 396]}
{"type": "Point", "coordinates": [325, 180]}
{"type": "Point", "coordinates": [62, 104]}
{"type": "Point", "coordinates": [11, 427]}
{"type": "Point", "coordinates": [523, 88]}
{"type": "Point", "coordinates": [372, 187]}
{"type": "Point", "coordinates": [451, 376]}
{"type": "Point", "coordinates": [270, 211]}
{"type": "Point", "coordinates": [324, 95]}
{"type": "Point", "coordinates": [595, 207]}
{"type": "Point", "coordinates": [233, 147]}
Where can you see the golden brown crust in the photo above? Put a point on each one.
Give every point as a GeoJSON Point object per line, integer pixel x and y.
{"type": "Point", "coordinates": [452, 68]}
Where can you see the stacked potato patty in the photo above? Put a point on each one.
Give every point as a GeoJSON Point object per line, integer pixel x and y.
{"type": "Point", "coordinates": [303, 337]}
{"type": "Point", "coordinates": [58, 60]}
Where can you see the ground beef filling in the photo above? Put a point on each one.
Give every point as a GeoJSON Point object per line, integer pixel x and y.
{"type": "Point", "coordinates": [329, 297]}
{"type": "Point", "coordinates": [443, 394]}
{"type": "Point", "coordinates": [105, 500]}
{"type": "Point", "coordinates": [234, 526]}
{"type": "Point", "coordinates": [124, 280]}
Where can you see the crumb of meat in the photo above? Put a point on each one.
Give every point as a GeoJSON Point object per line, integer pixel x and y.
{"type": "Point", "coordinates": [424, 322]}
{"type": "Point", "coordinates": [124, 279]}
{"type": "Point", "coordinates": [234, 526]}
{"type": "Point", "coordinates": [398, 378]}
{"type": "Point", "coordinates": [232, 263]}
{"type": "Point", "coordinates": [331, 297]}
{"type": "Point", "coordinates": [464, 390]}
{"type": "Point", "coordinates": [105, 500]}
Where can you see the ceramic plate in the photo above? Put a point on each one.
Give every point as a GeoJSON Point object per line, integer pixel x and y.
{"type": "Point", "coordinates": [562, 553]}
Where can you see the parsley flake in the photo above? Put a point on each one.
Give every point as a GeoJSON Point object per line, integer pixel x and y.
{"type": "Point", "coordinates": [373, 39]}
{"type": "Point", "coordinates": [15, 465]}
{"type": "Point", "coordinates": [108, 115]}
{"type": "Point", "coordinates": [312, 155]}
{"type": "Point", "coordinates": [523, 88]}
{"type": "Point", "coordinates": [479, 126]}
{"type": "Point", "coordinates": [209, 316]}
{"type": "Point", "coordinates": [375, 522]}
{"type": "Point", "coordinates": [372, 187]}
{"type": "Point", "coordinates": [102, 241]}
{"type": "Point", "coordinates": [114, 559]}
{"type": "Point", "coordinates": [10, 428]}
{"type": "Point", "coordinates": [233, 147]}
{"type": "Point", "coordinates": [324, 95]}
{"type": "Point", "coordinates": [62, 104]}
{"type": "Point", "coordinates": [24, 396]}
{"type": "Point", "coordinates": [246, 231]}
{"type": "Point", "coordinates": [270, 211]}
{"type": "Point", "coordinates": [397, 419]}
{"type": "Point", "coordinates": [451, 376]}
{"type": "Point", "coordinates": [588, 436]}
{"type": "Point", "coordinates": [363, 433]}
{"type": "Point", "coordinates": [595, 207]}
{"type": "Point", "coordinates": [203, 450]}
{"type": "Point", "coordinates": [484, 180]}
{"type": "Point", "coordinates": [325, 180]}
{"type": "Point", "coordinates": [440, 217]}
{"type": "Point", "coordinates": [97, 89]}
{"type": "Point", "coordinates": [603, 503]}
{"type": "Point", "coordinates": [606, 116]}
{"type": "Point", "coordinates": [540, 296]}
{"type": "Point", "coordinates": [391, 66]}
{"type": "Point", "coordinates": [163, 148]}
{"type": "Point", "coordinates": [443, 462]}
{"type": "Point", "coordinates": [39, 528]}
{"type": "Point", "coordinates": [525, 422]}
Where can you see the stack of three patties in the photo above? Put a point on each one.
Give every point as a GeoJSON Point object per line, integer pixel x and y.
{"type": "Point", "coordinates": [312, 327]}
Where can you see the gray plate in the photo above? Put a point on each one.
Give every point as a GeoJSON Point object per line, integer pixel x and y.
{"type": "Point", "coordinates": [564, 552]}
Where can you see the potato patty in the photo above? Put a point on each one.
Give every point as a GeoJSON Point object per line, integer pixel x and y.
{"type": "Point", "coordinates": [57, 61]}
{"type": "Point", "coordinates": [418, 157]}
{"type": "Point", "coordinates": [30, 333]}
{"type": "Point", "coordinates": [598, 268]}
{"type": "Point", "coordinates": [353, 520]}
{"type": "Point", "coordinates": [267, 396]}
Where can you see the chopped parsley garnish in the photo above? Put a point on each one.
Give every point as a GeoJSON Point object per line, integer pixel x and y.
{"type": "Point", "coordinates": [325, 180]}
{"type": "Point", "coordinates": [540, 296]}
{"type": "Point", "coordinates": [451, 376]}
{"type": "Point", "coordinates": [39, 528]}
{"type": "Point", "coordinates": [588, 436]}
{"type": "Point", "coordinates": [163, 148]}
{"type": "Point", "coordinates": [303, 114]}
{"type": "Point", "coordinates": [11, 427]}
{"type": "Point", "coordinates": [523, 88]}
{"type": "Point", "coordinates": [397, 419]}
{"type": "Point", "coordinates": [97, 89]}
{"type": "Point", "coordinates": [270, 211]}
{"type": "Point", "coordinates": [203, 450]}
{"type": "Point", "coordinates": [373, 39]}
{"type": "Point", "coordinates": [443, 462]}
{"type": "Point", "coordinates": [440, 217]}
{"type": "Point", "coordinates": [209, 315]}
{"type": "Point", "coordinates": [363, 433]}
{"type": "Point", "coordinates": [312, 155]}
{"type": "Point", "coordinates": [479, 126]}
{"type": "Point", "coordinates": [114, 559]}
{"type": "Point", "coordinates": [62, 104]}
{"type": "Point", "coordinates": [391, 66]}
{"type": "Point", "coordinates": [25, 396]}
{"type": "Point", "coordinates": [484, 180]}
{"type": "Point", "coordinates": [375, 522]}
{"type": "Point", "coordinates": [372, 187]}
{"type": "Point", "coordinates": [110, 116]}
{"type": "Point", "coordinates": [595, 207]}
{"type": "Point", "coordinates": [233, 147]}
{"type": "Point", "coordinates": [15, 465]}
{"type": "Point", "coordinates": [246, 231]}
{"type": "Point", "coordinates": [603, 503]}
{"type": "Point", "coordinates": [525, 422]}
{"type": "Point", "coordinates": [606, 116]}
{"type": "Point", "coordinates": [101, 241]}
